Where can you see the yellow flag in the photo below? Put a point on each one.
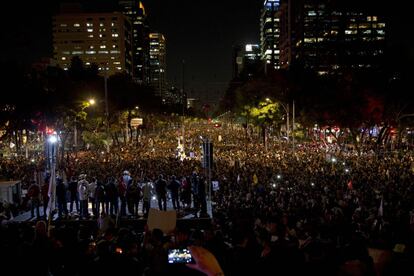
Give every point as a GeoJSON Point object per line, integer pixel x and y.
{"type": "Point", "coordinates": [255, 180]}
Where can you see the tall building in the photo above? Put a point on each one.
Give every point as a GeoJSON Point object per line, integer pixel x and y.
{"type": "Point", "coordinates": [247, 60]}
{"type": "Point", "coordinates": [135, 11]}
{"type": "Point", "coordinates": [328, 38]}
{"type": "Point", "coordinates": [269, 34]}
{"type": "Point", "coordinates": [103, 39]}
{"type": "Point", "coordinates": [158, 63]}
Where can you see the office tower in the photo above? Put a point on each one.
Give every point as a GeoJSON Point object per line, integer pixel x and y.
{"type": "Point", "coordinates": [330, 38]}
{"type": "Point", "coordinates": [247, 60]}
{"type": "Point", "coordinates": [103, 39]}
{"type": "Point", "coordinates": [157, 63]}
{"type": "Point", "coordinates": [135, 11]}
{"type": "Point", "coordinates": [269, 34]}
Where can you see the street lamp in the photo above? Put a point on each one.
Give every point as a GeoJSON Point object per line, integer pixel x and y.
{"type": "Point", "coordinates": [52, 148]}
{"type": "Point", "coordinates": [84, 105]}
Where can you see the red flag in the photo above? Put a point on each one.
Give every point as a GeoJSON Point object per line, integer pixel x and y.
{"type": "Point", "coordinates": [350, 185]}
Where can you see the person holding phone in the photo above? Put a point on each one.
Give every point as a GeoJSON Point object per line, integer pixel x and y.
{"type": "Point", "coordinates": [205, 261]}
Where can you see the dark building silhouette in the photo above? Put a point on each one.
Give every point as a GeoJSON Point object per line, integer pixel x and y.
{"type": "Point", "coordinates": [329, 37]}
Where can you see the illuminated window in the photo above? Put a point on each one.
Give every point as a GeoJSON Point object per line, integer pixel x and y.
{"type": "Point", "coordinates": [103, 52]}
{"type": "Point", "coordinates": [87, 63]}
{"type": "Point", "coordinates": [89, 24]}
{"type": "Point", "coordinates": [63, 58]}
{"type": "Point", "coordinates": [311, 13]}
{"type": "Point", "coordinates": [90, 36]}
{"type": "Point", "coordinates": [118, 68]}
{"type": "Point", "coordinates": [76, 25]}
{"type": "Point", "coordinates": [309, 40]}
{"type": "Point", "coordinates": [63, 25]}
{"type": "Point", "coordinates": [116, 62]}
{"type": "Point", "coordinates": [101, 24]}
{"type": "Point", "coordinates": [89, 30]}
{"type": "Point", "coordinates": [102, 46]}
{"type": "Point", "coordinates": [381, 25]}
{"type": "Point", "coordinates": [114, 35]}
{"type": "Point", "coordinates": [350, 32]}
{"type": "Point", "coordinates": [374, 18]}
{"type": "Point", "coordinates": [90, 52]}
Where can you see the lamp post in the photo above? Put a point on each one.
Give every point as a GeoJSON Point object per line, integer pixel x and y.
{"type": "Point", "coordinates": [52, 148]}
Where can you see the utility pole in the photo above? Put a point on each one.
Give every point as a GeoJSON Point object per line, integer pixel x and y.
{"type": "Point", "coordinates": [106, 103]}
{"type": "Point", "coordinates": [287, 122]}
{"type": "Point", "coordinates": [293, 126]}
{"type": "Point", "coordinates": [183, 101]}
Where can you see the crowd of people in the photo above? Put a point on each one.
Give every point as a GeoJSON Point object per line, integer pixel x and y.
{"type": "Point", "coordinates": [309, 209]}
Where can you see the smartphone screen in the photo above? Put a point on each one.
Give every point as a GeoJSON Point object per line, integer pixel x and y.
{"type": "Point", "coordinates": [180, 256]}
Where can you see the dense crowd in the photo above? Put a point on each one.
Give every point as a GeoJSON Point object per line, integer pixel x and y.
{"type": "Point", "coordinates": [313, 209]}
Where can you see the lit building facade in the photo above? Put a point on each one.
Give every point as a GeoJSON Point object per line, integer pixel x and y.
{"type": "Point", "coordinates": [247, 60]}
{"type": "Point", "coordinates": [103, 39]}
{"type": "Point", "coordinates": [269, 33]}
{"type": "Point", "coordinates": [330, 39]}
{"type": "Point", "coordinates": [135, 11]}
{"type": "Point", "coordinates": [158, 64]}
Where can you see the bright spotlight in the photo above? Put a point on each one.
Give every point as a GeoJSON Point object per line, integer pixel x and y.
{"type": "Point", "coordinates": [92, 101]}
{"type": "Point", "coordinates": [279, 176]}
{"type": "Point", "coordinates": [52, 139]}
{"type": "Point", "coordinates": [334, 160]}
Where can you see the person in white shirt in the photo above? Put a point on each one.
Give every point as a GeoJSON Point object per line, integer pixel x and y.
{"type": "Point", "coordinates": [91, 190]}
{"type": "Point", "coordinates": [146, 196]}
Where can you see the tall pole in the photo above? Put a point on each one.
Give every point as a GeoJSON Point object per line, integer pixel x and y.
{"type": "Point", "coordinates": [183, 103]}
{"type": "Point", "coordinates": [287, 122]}
{"type": "Point", "coordinates": [106, 95]}
{"type": "Point", "coordinates": [75, 134]}
{"type": "Point", "coordinates": [293, 126]}
{"type": "Point", "coordinates": [106, 104]}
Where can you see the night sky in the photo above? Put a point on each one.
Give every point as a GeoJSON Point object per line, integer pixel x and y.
{"type": "Point", "coordinates": [200, 32]}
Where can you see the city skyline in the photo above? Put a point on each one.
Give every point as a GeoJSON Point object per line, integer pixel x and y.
{"type": "Point", "coordinates": [203, 36]}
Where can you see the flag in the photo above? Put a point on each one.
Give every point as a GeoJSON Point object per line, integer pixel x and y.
{"type": "Point", "coordinates": [381, 208]}
{"type": "Point", "coordinates": [255, 180]}
{"type": "Point", "coordinates": [350, 185]}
